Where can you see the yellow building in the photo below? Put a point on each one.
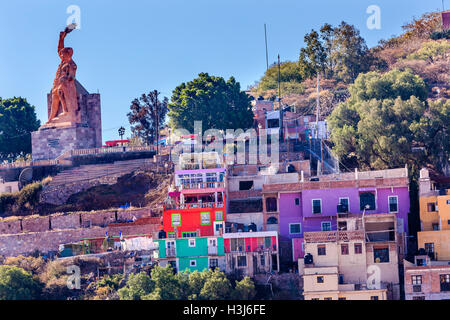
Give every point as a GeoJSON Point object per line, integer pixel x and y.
{"type": "Point", "coordinates": [434, 202]}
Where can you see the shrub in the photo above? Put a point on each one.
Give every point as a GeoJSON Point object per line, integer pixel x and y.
{"type": "Point", "coordinates": [18, 284]}
{"type": "Point", "coordinates": [7, 200]}
{"type": "Point", "coordinates": [29, 195]}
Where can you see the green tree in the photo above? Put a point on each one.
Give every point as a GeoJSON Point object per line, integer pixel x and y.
{"type": "Point", "coordinates": [244, 290]}
{"type": "Point", "coordinates": [349, 54]}
{"type": "Point", "coordinates": [290, 74]}
{"type": "Point", "coordinates": [216, 287]}
{"type": "Point", "coordinates": [138, 286]}
{"type": "Point", "coordinates": [219, 104]}
{"type": "Point", "coordinates": [18, 284]}
{"type": "Point", "coordinates": [167, 285]}
{"type": "Point", "coordinates": [313, 56]}
{"type": "Point", "coordinates": [17, 121]}
{"type": "Point", "coordinates": [385, 117]}
{"type": "Point", "coordinates": [432, 134]}
{"type": "Point", "coordinates": [147, 116]}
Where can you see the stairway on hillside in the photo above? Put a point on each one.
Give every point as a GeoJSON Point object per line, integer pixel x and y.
{"type": "Point", "coordinates": [96, 171]}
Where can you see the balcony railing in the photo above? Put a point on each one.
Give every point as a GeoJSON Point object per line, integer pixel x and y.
{"type": "Point", "coordinates": [202, 185]}
{"type": "Point", "coordinates": [333, 236]}
{"type": "Point", "coordinates": [171, 252]}
{"type": "Point", "coordinates": [213, 251]}
{"type": "Point", "coordinates": [194, 205]}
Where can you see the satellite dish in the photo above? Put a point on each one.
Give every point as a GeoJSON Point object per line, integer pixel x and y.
{"type": "Point", "coordinates": [25, 177]}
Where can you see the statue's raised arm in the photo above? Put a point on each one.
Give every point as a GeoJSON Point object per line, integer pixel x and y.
{"type": "Point", "coordinates": [62, 36]}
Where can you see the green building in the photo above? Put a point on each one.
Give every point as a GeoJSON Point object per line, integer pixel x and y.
{"type": "Point", "coordinates": [198, 253]}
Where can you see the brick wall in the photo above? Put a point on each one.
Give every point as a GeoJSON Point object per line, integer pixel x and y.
{"type": "Point", "coordinates": [60, 221]}
{"type": "Point", "coordinates": [24, 243]}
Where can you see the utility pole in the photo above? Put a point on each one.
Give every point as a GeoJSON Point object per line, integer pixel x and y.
{"type": "Point", "coordinates": [280, 107]}
{"type": "Point", "coordinates": [318, 106]}
{"type": "Point", "coordinates": [267, 55]}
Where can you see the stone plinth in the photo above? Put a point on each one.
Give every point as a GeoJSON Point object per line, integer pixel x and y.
{"type": "Point", "coordinates": [54, 139]}
{"type": "Point", "coordinates": [51, 143]}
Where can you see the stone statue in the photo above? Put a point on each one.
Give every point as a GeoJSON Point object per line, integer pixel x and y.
{"type": "Point", "coordinates": [64, 106]}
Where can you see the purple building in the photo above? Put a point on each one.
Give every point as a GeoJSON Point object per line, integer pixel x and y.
{"type": "Point", "coordinates": [307, 206]}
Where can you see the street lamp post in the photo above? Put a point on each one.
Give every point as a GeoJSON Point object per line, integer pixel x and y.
{"type": "Point", "coordinates": [121, 132]}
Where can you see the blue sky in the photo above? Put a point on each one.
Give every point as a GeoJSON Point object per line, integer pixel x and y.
{"type": "Point", "coordinates": [126, 48]}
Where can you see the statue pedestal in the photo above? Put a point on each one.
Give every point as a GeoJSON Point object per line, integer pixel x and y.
{"type": "Point", "coordinates": [49, 143]}
{"type": "Point", "coordinates": [57, 137]}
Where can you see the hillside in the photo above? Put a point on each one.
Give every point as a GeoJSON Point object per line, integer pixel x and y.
{"type": "Point", "coordinates": [423, 48]}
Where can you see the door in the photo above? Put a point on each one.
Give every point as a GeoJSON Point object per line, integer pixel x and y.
{"type": "Point", "coordinates": [212, 246]}
{"type": "Point", "coordinates": [170, 248]}
{"type": "Point", "coordinates": [218, 228]}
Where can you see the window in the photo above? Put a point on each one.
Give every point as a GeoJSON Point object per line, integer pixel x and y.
{"type": "Point", "coordinates": [416, 280]}
{"type": "Point", "coordinates": [374, 298]}
{"type": "Point", "coordinates": [213, 263]}
{"type": "Point", "coordinates": [342, 298]}
{"type": "Point", "coordinates": [242, 261]}
{"type": "Point", "coordinates": [344, 249]}
{"type": "Point", "coordinates": [321, 250]}
{"type": "Point", "coordinates": [191, 242]}
{"type": "Point", "coordinates": [176, 219]}
{"type": "Point", "coordinates": [171, 235]}
{"type": "Point", "coordinates": [435, 226]}
{"type": "Point", "coordinates": [328, 298]}
{"type": "Point", "coordinates": [380, 255]}
{"type": "Point", "coordinates": [317, 206]}
{"type": "Point", "coordinates": [193, 263]}
{"type": "Point", "coordinates": [295, 228]}
{"type": "Point", "coordinates": [429, 248]}
{"type": "Point", "coordinates": [267, 242]}
{"type": "Point", "coordinates": [358, 248]}
{"type": "Point", "coordinates": [271, 204]}
{"type": "Point", "coordinates": [319, 279]}
{"type": "Point", "coordinates": [272, 220]}
{"type": "Point", "coordinates": [211, 177]}
{"type": "Point", "coordinates": [219, 215]}
{"type": "Point", "coordinates": [206, 218]}
{"type": "Point", "coordinates": [273, 123]}
{"type": "Point", "coordinates": [237, 244]}
{"type": "Point", "coordinates": [297, 201]}
{"type": "Point", "coordinates": [326, 226]}
{"type": "Point", "coordinates": [262, 260]}
{"type": "Point", "coordinates": [419, 298]}
{"type": "Point", "coordinates": [245, 185]}
{"type": "Point", "coordinates": [315, 299]}
{"type": "Point", "coordinates": [393, 204]}
{"type": "Point", "coordinates": [342, 225]}
{"type": "Point", "coordinates": [445, 282]}
{"type": "Point", "coordinates": [189, 234]}
{"type": "Point", "coordinates": [345, 202]}
{"type": "Point", "coordinates": [431, 206]}
{"type": "Point", "coordinates": [367, 200]}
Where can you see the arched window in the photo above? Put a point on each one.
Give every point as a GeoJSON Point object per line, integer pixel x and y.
{"type": "Point", "coordinates": [271, 204]}
{"type": "Point", "coordinates": [272, 220]}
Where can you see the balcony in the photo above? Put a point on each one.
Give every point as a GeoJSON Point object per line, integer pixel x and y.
{"type": "Point", "coordinates": [213, 251]}
{"type": "Point", "coordinates": [202, 185]}
{"type": "Point", "coordinates": [171, 252]}
{"type": "Point", "coordinates": [333, 236]}
{"type": "Point", "coordinates": [197, 205]}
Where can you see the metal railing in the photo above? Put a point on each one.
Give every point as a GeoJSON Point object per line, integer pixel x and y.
{"type": "Point", "coordinates": [196, 205]}
{"type": "Point", "coordinates": [171, 252]}
{"type": "Point", "coordinates": [203, 185]}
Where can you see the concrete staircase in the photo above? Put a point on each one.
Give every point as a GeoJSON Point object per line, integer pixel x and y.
{"type": "Point", "coordinates": [92, 172]}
